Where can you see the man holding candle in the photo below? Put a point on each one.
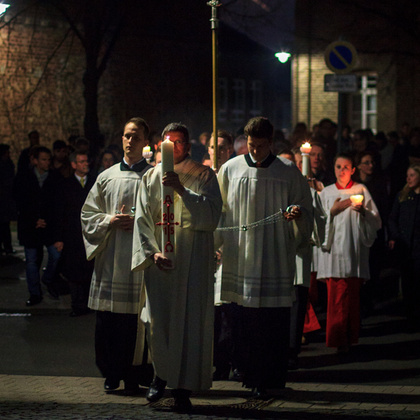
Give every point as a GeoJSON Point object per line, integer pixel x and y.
{"type": "Point", "coordinates": [115, 293]}
{"type": "Point", "coordinates": [179, 270]}
{"type": "Point", "coordinates": [259, 263]}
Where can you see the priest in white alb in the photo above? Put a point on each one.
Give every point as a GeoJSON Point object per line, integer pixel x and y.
{"type": "Point", "coordinates": [258, 256]}
{"type": "Point", "coordinates": [179, 307]}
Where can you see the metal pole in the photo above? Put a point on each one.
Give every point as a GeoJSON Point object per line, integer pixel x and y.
{"type": "Point", "coordinates": [340, 123]}
{"type": "Point", "coordinates": [214, 4]}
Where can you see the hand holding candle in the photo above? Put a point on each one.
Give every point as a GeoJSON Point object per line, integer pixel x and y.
{"type": "Point", "coordinates": [357, 203]}
{"type": "Point", "coordinates": [147, 153]}
{"type": "Point", "coordinates": [305, 149]}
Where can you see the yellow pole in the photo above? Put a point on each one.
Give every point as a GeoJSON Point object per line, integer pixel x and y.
{"type": "Point", "coordinates": [214, 27]}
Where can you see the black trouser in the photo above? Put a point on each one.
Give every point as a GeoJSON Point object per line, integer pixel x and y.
{"type": "Point", "coordinates": [115, 342]}
{"type": "Point", "coordinates": [410, 285]}
{"type": "Point", "coordinates": [267, 335]}
{"type": "Point", "coordinates": [5, 236]}
{"type": "Point", "coordinates": [228, 347]}
{"type": "Point", "coordinates": [297, 319]}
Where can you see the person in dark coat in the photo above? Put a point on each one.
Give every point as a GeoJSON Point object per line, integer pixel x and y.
{"type": "Point", "coordinates": [39, 203]}
{"type": "Point", "coordinates": [404, 234]}
{"type": "Point", "coordinates": [75, 267]}
{"type": "Point", "coordinates": [24, 161]}
{"type": "Point", "coordinates": [7, 203]}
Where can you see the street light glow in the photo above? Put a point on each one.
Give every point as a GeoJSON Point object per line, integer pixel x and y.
{"type": "Point", "coordinates": [283, 56]}
{"type": "Point", "coordinates": [3, 7]}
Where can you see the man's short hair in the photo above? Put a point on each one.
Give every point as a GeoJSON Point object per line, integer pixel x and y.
{"type": "Point", "coordinates": [73, 155]}
{"type": "Point", "coordinates": [140, 123]}
{"type": "Point", "coordinates": [33, 132]}
{"type": "Point", "coordinates": [59, 144]}
{"type": "Point", "coordinates": [181, 128]}
{"type": "Point", "coordinates": [35, 151]}
{"type": "Point", "coordinates": [259, 127]}
{"type": "Point", "coordinates": [224, 134]}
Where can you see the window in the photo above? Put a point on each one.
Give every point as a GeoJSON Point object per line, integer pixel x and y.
{"type": "Point", "coordinates": [364, 104]}
{"type": "Point", "coordinates": [238, 108]}
{"type": "Point", "coordinates": [256, 98]}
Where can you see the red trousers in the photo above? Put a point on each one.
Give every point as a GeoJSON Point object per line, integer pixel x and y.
{"type": "Point", "coordinates": [343, 311]}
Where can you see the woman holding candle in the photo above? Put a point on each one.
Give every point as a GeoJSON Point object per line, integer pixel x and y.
{"type": "Point", "coordinates": [344, 265]}
{"type": "Point", "coordinates": [404, 233]}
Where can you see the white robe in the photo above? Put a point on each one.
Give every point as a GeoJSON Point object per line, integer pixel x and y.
{"type": "Point", "coordinates": [179, 307]}
{"type": "Point", "coordinates": [114, 286]}
{"type": "Point", "coordinates": [259, 264]}
{"type": "Point", "coordinates": [306, 254]}
{"type": "Point", "coordinates": [348, 235]}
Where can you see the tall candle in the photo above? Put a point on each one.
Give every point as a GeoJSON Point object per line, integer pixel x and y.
{"type": "Point", "coordinates": [305, 149]}
{"type": "Point", "coordinates": [168, 216]}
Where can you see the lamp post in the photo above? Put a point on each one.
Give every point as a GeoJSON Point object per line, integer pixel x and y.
{"type": "Point", "coordinates": [214, 4]}
{"type": "Point", "coordinates": [3, 7]}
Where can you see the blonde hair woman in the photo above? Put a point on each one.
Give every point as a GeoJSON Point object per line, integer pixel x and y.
{"type": "Point", "coordinates": [404, 233]}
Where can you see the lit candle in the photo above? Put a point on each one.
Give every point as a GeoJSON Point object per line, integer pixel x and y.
{"type": "Point", "coordinates": [305, 149]}
{"type": "Point", "coordinates": [168, 216]}
{"type": "Point", "coordinates": [356, 199]}
{"type": "Point", "coordinates": [147, 153]}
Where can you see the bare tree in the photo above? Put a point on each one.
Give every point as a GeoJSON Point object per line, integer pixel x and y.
{"type": "Point", "coordinates": [97, 24]}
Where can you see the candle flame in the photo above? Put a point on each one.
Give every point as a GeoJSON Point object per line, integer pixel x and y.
{"type": "Point", "coordinates": [306, 147]}
{"type": "Point", "coordinates": [356, 199]}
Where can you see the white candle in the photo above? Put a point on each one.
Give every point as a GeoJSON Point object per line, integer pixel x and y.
{"type": "Point", "coordinates": [356, 199]}
{"type": "Point", "coordinates": [168, 215]}
{"type": "Point", "coordinates": [305, 149]}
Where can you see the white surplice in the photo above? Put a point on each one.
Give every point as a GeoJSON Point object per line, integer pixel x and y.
{"type": "Point", "coordinates": [348, 235]}
{"type": "Point", "coordinates": [179, 307]}
{"type": "Point", "coordinates": [259, 263]}
{"type": "Point", "coordinates": [114, 286]}
{"type": "Point", "coordinates": [307, 254]}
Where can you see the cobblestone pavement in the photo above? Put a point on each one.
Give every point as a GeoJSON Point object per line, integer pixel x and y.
{"type": "Point", "coordinates": [48, 397]}
{"type": "Point", "coordinates": [381, 380]}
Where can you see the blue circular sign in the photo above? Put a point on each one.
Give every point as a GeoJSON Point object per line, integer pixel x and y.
{"type": "Point", "coordinates": [340, 57]}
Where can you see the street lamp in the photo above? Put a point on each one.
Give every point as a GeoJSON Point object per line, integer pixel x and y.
{"type": "Point", "coordinates": [283, 56]}
{"type": "Point", "coordinates": [3, 7]}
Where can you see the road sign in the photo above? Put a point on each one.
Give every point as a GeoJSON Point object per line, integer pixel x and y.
{"type": "Point", "coordinates": [340, 57]}
{"type": "Point", "coordinates": [343, 83]}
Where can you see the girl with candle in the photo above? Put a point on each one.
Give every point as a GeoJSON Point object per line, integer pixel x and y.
{"type": "Point", "coordinates": [344, 264]}
{"type": "Point", "coordinates": [404, 233]}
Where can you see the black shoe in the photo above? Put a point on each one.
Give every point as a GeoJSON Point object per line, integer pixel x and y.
{"type": "Point", "coordinates": [260, 393]}
{"type": "Point", "coordinates": [131, 388]}
{"type": "Point", "coordinates": [221, 375]}
{"type": "Point", "coordinates": [237, 376]}
{"type": "Point", "coordinates": [293, 363]}
{"type": "Point", "coordinates": [33, 300]}
{"type": "Point", "coordinates": [156, 389]}
{"type": "Point", "coordinates": [52, 291]}
{"type": "Point", "coordinates": [111, 384]}
{"type": "Point", "coordinates": [182, 403]}
{"type": "Point", "coordinates": [80, 312]}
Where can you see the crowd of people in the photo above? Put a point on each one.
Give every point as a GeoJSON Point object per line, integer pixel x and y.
{"type": "Point", "coordinates": [260, 245]}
